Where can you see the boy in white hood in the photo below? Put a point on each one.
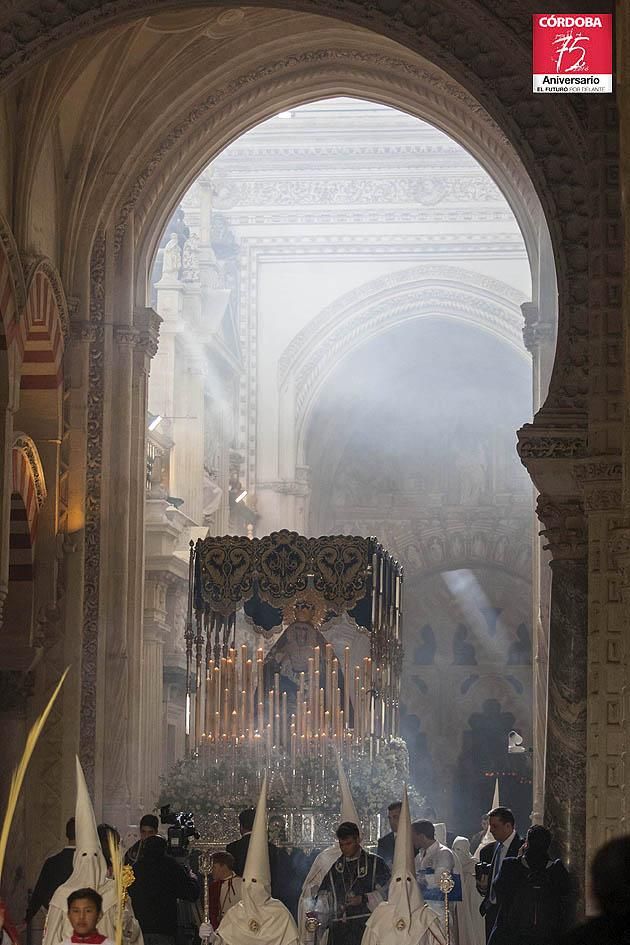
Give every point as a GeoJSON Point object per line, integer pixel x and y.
{"type": "Point", "coordinates": [89, 871]}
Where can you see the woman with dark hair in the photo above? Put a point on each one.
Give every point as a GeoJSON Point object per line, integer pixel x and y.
{"type": "Point", "coordinates": [533, 894]}
{"type": "Point", "coordinates": [610, 882]}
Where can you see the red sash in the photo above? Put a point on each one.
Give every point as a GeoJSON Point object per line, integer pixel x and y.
{"type": "Point", "coordinates": [94, 939]}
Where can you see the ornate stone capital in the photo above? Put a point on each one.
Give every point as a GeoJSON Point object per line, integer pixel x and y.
{"type": "Point", "coordinates": [287, 487]}
{"type": "Point", "coordinates": [600, 482]}
{"type": "Point", "coordinates": [564, 527]}
{"type": "Point", "coordinates": [537, 332]}
{"type": "Point", "coordinates": [619, 548]}
{"type": "Point", "coordinates": [83, 332]}
{"type": "Point", "coordinates": [126, 336]}
{"type": "Point", "coordinates": [535, 441]}
{"type": "Point", "coordinates": [148, 322]}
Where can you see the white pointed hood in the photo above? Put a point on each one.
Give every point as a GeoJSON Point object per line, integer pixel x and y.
{"type": "Point", "coordinates": [348, 810]}
{"type": "Point", "coordinates": [257, 873]}
{"type": "Point", "coordinates": [487, 837]}
{"type": "Point", "coordinates": [405, 918]}
{"type": "Point", "coordinates": [258, 919]}
{"type": "Point", "coordinates": [325, 860]}
{"type": "Point", "coordinates": [89, 869]}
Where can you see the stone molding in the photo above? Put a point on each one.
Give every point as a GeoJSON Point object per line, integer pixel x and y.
{"type": "Point", "coordinates": [27, 447]}
{"type": "Point", "coordinates": [92, 527]}
{"type": "Point", "coordinates": [537, 442]}
{"type": "Point", "coordinates": [600, 483]}
{"type": "Point", "coordinates": [564, 527]}
{"type": "Point", "coordinates": [448, 277]}
{"type": "Point", "coordinates": [441, 99]}
{"type": "Point", "coordinates": [285, 487]}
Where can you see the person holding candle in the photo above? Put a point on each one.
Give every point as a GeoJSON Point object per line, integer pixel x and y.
{"type": "Point", "coordinates": [322, 863]}
{"type": "Point", "coordinates": [353, 887]}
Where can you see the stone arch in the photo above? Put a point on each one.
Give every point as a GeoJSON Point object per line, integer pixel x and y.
{"type": "Point", "coordinates": [419, 292]}
{"type": "Point", "coordinates": [44, 328]}
{"type": "Point", "coordinates": [389, 77]}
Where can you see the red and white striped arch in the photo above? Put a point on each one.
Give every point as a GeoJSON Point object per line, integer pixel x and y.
{"type": "Point", "coordinates": [28, 492]}
{"type": "Point", "coordinates": [41, 331]}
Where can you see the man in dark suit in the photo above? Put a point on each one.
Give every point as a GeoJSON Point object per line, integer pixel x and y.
{"type": "Point", "coordinates": [507, 843]}
{"type": "Point", "coordinates": [385, 847]}
{"type": "Point", "coordinates": [239, 848]}
{"type": "Point", "coordinates": [55, 871]}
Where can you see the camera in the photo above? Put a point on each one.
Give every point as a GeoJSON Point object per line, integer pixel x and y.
{"type": "Point", "coordinates": [181, 827]}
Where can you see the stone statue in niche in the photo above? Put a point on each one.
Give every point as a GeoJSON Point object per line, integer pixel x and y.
{"type": "Point", "coordinates": [424, 654]}
{"type": "Point", "coordinates": [172, 258]}
{"type": "Point", "coordinates": [520, 650]}
{"type": "Point", "coordinates": [212, 495]}
{"type": "Point", "coordinates": [463, 651]}
{"type": "Point", "coordinates": [190, 263]}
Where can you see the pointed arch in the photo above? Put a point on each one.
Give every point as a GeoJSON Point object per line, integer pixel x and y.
{"type": "Point", "coordinates": [44, 327]}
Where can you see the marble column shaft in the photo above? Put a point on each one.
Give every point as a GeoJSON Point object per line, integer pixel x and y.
{"type": "Point", "coordinates": [565, 769]}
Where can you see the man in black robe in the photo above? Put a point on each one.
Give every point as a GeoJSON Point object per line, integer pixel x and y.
{"type": "Point", "coordinates": [352, 887]}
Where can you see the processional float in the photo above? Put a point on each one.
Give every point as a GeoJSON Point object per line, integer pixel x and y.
{"type": "Point", "coordinates": [292, 707]}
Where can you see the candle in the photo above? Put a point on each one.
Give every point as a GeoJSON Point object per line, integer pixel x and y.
{"type": "Point", "coordinates": [315, 706]}
{"type": "Point", "coordinates": [216, 684]}
{"type": "Point", "coordinates": [329, 662]}
{"type": "Point", "coordinates": [226, 703]}
{"type": "Point", "coordinates": [285, 738]}
{"type": "Point", "coordinates": [209, 707]}
{"type": "Point", "coordinates": [322, 709]}
{"type": "Point", "coordinates": [346, 685]}
{"type": "Point", "coordinates": [293, 748]}
{"type": "Point", "coordinates": [260, 689]}
{"type": "Point", "coordinates": [249, 686]}
{"type": "Point", "coordinates": [243, 725]}
{"type": "Point", "coordinates": [311, 679]}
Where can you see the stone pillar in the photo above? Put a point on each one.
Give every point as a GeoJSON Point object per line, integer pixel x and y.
{"type": "Point", "coordinates": [539, 339]}
{"type": "Point", "coordinates": [565, 769]}
{"type": "Point", "coordinates": [154, 630]}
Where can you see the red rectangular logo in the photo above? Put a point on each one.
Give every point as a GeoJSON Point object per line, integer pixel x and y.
{"type": "Point", "coordinates": [573, 52]}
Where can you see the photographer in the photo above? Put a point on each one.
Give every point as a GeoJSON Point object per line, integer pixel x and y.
{"type": "Point", "coordinates": [159, 882]}
{"type": "Point", "coordinates": [148, 828]}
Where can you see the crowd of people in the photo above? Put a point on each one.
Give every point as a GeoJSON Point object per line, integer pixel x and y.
{"type": "Point", "coordinates": [502, 890]}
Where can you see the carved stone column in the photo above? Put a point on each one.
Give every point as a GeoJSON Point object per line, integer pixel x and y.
{"type": "Point", "coordinates": [154, 631]}
{"type": "Point", "coordinates": [539, 339]}
{"type": "Point", "coordinates": [565, 769]}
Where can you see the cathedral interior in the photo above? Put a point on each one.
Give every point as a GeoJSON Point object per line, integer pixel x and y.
{"type": "Point", "coordinates": [329, 267]}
